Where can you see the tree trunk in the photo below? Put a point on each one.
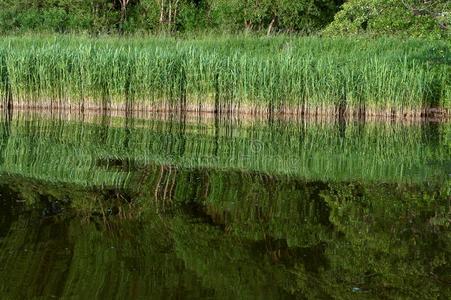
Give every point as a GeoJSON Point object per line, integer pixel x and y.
{"type": "Point", "coordinates": [161, 11]}
{"type": "Point", "coordinates": [248, 25]}
{"type": "Point", "coordinates": [122, 15]}
{"type": "Point", "coordinates": [170, 15]}
{"type": "Point", "coordinates": [123, 12]}
{"type": "Point", "coordinates": [175, 11]}
{"type": "Point", "coordinates": [271, 25]}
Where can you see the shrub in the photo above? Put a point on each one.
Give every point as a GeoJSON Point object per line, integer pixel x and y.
{"type": "Point", "coordinates": [405, 17]}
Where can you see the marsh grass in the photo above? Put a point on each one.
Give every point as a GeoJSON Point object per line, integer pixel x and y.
{"type": "Point", "coordinates": [310, 75]}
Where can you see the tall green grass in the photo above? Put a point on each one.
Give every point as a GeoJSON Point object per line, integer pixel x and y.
{"type": "Point", "coordinates": [306, 75]}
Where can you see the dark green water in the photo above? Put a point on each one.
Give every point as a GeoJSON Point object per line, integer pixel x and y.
{"type": "Point", "coordinates": [114, 208]}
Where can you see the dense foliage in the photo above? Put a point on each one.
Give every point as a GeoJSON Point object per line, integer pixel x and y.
{"type": "Point", "coordinates": [165, 15]}
{"type": "Point", "coordinates": [409, 17]}
{"type": "Point", "coordinates": [412, 17]}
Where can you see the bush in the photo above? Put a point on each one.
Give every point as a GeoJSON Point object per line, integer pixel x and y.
{"type": "Point", "coordinates": [405, 17]}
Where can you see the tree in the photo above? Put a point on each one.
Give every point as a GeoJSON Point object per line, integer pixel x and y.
{"type": "Point", "coordinates": [168, 12]}
{"type": "Point", "coordinates": [124, 4]}
{"type": "Point", "coordinates": [270, 15]}
{"type": "Point", "coordinates": [410, 17]}
{"type": "Point", "coordinates": [438, 10]}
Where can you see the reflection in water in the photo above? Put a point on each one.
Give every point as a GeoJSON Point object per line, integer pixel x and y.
{"type": "Point", "coordinates": [171, 209]}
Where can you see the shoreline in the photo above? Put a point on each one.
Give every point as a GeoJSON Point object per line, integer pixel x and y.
{"type": "Point", "coordinates": [239, 111]}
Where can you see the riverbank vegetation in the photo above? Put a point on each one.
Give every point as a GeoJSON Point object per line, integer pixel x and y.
{"type": "Point", "coordinates": [313, 175]}
{"type": "Point", "coordinates": [304, 75]}
{"type": "Point", "coordinates": [302, 57]}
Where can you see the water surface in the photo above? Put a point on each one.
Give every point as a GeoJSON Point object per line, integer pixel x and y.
{"type": "Point", "coordinates": [197, 207]}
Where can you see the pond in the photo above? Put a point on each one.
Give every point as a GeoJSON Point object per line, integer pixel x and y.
{"type": "Point", "coordinates": [198, 206]}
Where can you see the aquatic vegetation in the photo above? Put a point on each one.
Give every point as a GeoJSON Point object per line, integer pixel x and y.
{"type": "Point", "coordinates": [267, 75]}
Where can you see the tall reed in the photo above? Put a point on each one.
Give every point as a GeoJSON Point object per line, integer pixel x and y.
{"type": "Point", "coordinates": [301, 75]}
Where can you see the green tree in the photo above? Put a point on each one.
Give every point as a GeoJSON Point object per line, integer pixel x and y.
{"type": "Point", "coordinates": [411, 17]}
{"type": "Point", "coordinates": [281, 15]}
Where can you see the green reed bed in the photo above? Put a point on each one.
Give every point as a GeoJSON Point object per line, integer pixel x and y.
{"type": "Point", "coordinates": [309, 75]}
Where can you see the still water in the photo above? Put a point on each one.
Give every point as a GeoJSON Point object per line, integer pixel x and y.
{"type": "Point", "coordinates": [194, 207]}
